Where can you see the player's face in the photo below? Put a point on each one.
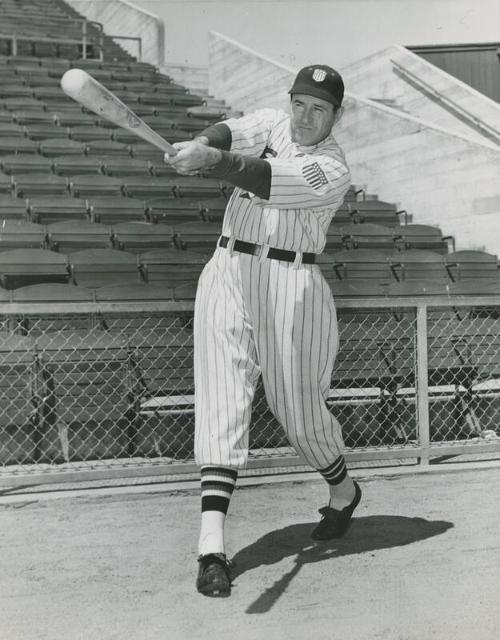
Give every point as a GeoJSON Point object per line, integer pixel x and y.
{"type": "Point", "coordinates": [312, 119]}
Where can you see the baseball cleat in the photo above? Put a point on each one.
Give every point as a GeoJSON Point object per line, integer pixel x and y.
{"type": "Point", "coordinates": [335, 522]}
{"type": "Point", "coordinates": [213, 575]}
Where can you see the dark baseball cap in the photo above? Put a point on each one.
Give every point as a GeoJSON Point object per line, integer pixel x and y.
{"type": "Point", "coordinates": [320, 81]}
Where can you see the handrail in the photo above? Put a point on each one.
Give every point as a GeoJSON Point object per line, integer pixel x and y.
{"type": "Point", "coordinates": [137, 38]}
{"type": "Point", "coordinates": [471, 119]}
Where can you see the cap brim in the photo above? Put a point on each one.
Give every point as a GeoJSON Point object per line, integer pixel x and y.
{"type": "Point", "coordinates": [316, 92]}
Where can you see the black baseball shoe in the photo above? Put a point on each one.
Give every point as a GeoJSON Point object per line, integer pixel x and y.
{"type": "Point", "coordinates": [335, 522]}
{"type": "Point", "coordinates": [214, 578]}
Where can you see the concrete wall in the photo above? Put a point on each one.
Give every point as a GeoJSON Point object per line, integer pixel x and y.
{"type": "Point", "coordinates": [464, 109]}
{"type": "Point", "coordinates": [122, 18]}
{"type": "Point", "coordinates": [440, 176]}
{"type": "Point", "coordinates": [195, 78]}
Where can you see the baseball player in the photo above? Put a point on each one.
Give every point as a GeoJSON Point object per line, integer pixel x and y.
{"type": "Point", "coordinates": [263, 307]}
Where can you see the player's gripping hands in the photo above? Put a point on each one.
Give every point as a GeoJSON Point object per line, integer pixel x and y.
{"type": "Point", "coordinates": [193, 157]}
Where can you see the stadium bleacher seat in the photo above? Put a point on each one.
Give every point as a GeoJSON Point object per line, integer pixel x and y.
{"type": "Point", "coordinates": [141, 236]}
{"type": "Point", "coordinates": [197, 236]}
{"type": "Point", "coordinates": [374, 211]}
{"type": "Point", "coordinates": [70, 165]}
{"type": "Point", "coordinates": [420, 236]}
{"type": "Point", "coordinates": [46, 209]}
{"type": "Point", "coordinates": [124, 166]}
{"type": "Point", "coordinates": [113, 209]}
{"type": "Point", "coordinates": [172, 211]}
{"type": "Point", "coordinates": [193, 187]}
{"type": "Point", "coordinates": [87, 374]}
{"type": "Point", "coordinates": [73, 118]}
{"type": "Point", "coordinates": [85, 185]}
{"type": "Point", "coordinates": [368, 235]}
{"type": "Point", "coordinates": [166, 266]}
{"type": "Point", "coordinates": [12, 208]}
{"type": "Point", "coordinates": [20, 267]}
{"type": "Point", "coordinates": [25, 163]}
{"type": "Point", "coordinates": [213, 209]}
{"type": "Point", "coordinates": [26, 185]}
{"type": "Point", "coordinates": [418, 264]}
{"type": "Point", "coordinates": [10, 130]}
{"type": "Point", "coordinates": [52, 292]}
{"type": "Point", "coordinates": [464, 265]}
{"type": "Point", "coordinates": [68, 236]}
{"type": "Point", "coordinates": [90, 133]}
{"type": "Point", "coordinates": [18, 398]}
{"type": "Point", "coordinates": [102, 267]}
{"type": "Point", "coordinates": [364, 264]}
{"type": "Point", "coordinates": [32, 117]}
{"type": "Point", "coordinates": [51, 147]}
{"type": "Point", "coordinates": [148, 186]}
{"type": "Point", "coordinates": [15, 234]}
{"type": "Point", "coordinates": [17, 145]}
{"type": "Point", "coordinates": [106, 147]}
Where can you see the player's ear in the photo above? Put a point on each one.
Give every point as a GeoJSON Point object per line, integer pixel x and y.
{"type": "Point", "coordinates": [338, 115]}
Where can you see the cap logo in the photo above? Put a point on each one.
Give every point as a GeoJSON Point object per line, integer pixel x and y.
{"type": "Point", "coordinates": [319, 75]}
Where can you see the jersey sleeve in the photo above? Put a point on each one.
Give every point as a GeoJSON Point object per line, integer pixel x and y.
{"type": "Point", "coordinates": [308, 181]}
{"type": "Point", "coordinates": [250, 133]}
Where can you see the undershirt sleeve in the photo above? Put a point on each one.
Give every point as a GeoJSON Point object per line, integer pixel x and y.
{"type": "Point", "coordinates": [246, 172]}
{"type": "Point", "coordinates": [219, 136]}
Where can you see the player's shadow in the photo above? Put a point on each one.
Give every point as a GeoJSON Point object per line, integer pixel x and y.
{"type": "Point", "coordinates": [366, 534]}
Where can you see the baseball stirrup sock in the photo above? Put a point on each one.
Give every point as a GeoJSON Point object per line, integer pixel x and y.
{"type": "Point", "coordinates": [336, 472]}
{"type": "Point", "coordinates": [217, 486]}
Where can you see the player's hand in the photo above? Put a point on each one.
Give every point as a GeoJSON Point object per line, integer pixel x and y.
{"type": "Point", "coordinates": [192, 157]}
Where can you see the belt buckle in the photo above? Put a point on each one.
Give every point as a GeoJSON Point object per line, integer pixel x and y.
{"type": "Point", "coordinates": [264, 250]}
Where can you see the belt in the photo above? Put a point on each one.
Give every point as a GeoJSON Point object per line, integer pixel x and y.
{"type": "Point", "coordinates": [274, 254]}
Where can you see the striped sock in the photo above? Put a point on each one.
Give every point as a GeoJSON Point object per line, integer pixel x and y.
{"type": "Point", "coordinates": [336, 472]}
{"type": "Point", "coordinates": [217, 486]}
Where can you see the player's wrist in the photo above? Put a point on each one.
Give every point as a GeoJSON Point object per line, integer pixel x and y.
{"type": "Point", "coordinates": [202, 140]}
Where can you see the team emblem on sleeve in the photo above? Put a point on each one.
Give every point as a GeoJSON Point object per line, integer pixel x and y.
{"type": "Point", "coordinates": [314, 175]}
{"type": "Point", "coordinates": [319, 75]}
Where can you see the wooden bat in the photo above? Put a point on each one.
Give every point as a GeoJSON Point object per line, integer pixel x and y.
{"type": "Point", "coordinates": [90, 93]}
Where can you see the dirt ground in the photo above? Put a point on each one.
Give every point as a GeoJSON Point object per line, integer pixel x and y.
{"type": "Point", "coordinates": [421, 562]}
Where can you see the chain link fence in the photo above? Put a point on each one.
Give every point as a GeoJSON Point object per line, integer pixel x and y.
{"type": "Point", "coordinates": [112, 388]}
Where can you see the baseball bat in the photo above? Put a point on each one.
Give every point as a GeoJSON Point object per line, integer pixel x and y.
{"type": "Point", "coordinates": [82, 87]}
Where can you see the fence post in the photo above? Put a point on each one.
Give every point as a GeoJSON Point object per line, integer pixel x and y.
{"type": "Point", "coordinates": [422, 387]}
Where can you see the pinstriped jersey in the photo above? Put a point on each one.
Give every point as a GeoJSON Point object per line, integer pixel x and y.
{"type": "Point", "coordinates": [308, 185]}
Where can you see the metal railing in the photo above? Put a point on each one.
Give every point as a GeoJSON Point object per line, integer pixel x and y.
{"type": "Point", "coordinates": [102, 390]}
{"type": "Point", "coordinates": [133, 38]}
{"type": "Point", "coordinates": [464, 114]}
{"type": "Point", "coordinates": [85, 42]}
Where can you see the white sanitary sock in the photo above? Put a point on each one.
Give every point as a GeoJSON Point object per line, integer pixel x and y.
{"type": "Point", "coordinates": [212, 532]}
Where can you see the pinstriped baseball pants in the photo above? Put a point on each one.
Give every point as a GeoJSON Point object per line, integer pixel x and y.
{"type": "Point", "coordinates": [263, 318]}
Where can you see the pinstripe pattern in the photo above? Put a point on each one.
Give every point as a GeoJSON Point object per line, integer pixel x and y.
{"type": "Point", "coordinates": [298, 212]}
{"type": "Point", "coordinates": [252, 316]}
{"type": "Point", "coordinates": [267, 317]}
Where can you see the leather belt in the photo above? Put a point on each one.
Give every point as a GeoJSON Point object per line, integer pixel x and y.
{"type": "Point", "coordinates": [274, 254]}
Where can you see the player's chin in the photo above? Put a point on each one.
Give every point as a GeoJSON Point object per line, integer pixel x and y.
{"type": "Point", "coordinates": [304, 137]}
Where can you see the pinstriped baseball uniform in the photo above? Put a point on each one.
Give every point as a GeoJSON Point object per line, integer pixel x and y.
{"type": "Point", "coordinates": [258, 316]}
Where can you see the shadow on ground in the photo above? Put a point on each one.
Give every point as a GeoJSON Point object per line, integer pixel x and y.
{"type": "Point", "coordinates": [366, 534]}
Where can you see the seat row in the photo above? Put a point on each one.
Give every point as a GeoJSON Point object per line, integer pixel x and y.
{"type": "Point", "coordinates": [109, 209]}
{"type": "Point", "coordinates": [129, 257]}
{"type": "Point", "coordinates": [82, 186]}
{"type": "Point", "coordinates": [60, 65]}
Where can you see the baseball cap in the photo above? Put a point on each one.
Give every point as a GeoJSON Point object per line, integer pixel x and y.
{"type": "Point", "coordinates": [320, 81]}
